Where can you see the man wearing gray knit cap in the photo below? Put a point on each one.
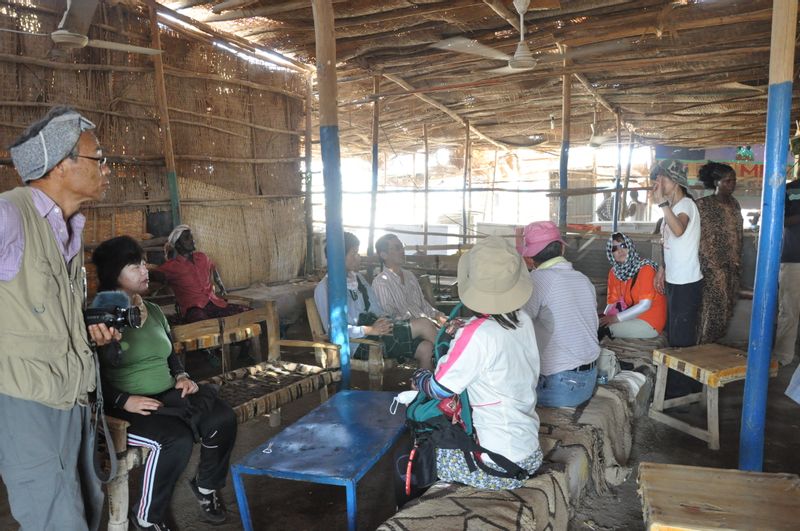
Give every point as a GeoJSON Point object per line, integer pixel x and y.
{"type": "Point", "coordinates": [47, 367]}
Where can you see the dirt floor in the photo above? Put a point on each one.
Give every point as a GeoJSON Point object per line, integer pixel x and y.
{"type": "Point", "coordinates": [282, 504]}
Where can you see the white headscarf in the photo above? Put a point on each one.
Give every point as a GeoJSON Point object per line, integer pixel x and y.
{"type": "Point", "coordinates": [173, 238]}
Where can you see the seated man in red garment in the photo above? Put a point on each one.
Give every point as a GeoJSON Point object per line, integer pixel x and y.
{"type": "Point", "coordinates": [189, 273]}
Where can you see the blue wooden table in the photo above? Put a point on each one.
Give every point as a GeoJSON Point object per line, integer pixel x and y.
{"type": "Point", "coordinates": [336, 444]}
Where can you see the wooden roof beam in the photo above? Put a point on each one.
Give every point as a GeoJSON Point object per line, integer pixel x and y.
{"type": "Point", "coordinates": [455, 116]}
{"type": "Point", "coordinates": [504, 12]}
{"type": "Point", "coordinates": [206, 31]}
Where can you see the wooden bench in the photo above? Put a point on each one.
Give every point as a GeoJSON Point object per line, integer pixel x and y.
{"type": "Point", "coordinates": [222, 332]}
{"type": "Point", "coordinates": [699, 498]}
{"type": "Point", "coordinates": [712, 365]}
{"type": "Point", "coordinates": [252, 391]}
{"type": "Point", "coordinates": [374, 365]}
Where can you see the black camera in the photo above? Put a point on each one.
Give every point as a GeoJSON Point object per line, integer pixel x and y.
{"type": "Point", "coordinates": [116, 317]}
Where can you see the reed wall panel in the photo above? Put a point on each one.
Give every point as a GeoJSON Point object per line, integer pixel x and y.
{"type": "Point", "coordinates": [219, 105]}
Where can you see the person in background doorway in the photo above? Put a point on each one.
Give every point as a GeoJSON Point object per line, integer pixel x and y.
{"type": "Point", "coordinates": [636, 210]}
{"type": "Point", "coordinates": [635, 310]}
{"type": "Point", "coordinates": [720, 250]}
{"type": "Point", "coordinates": [789, 282]}
{"type": "Point", "coordinates": [605, 211]}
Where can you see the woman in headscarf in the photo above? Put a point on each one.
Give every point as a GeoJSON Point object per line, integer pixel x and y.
{"type": "Point", "coordinates": [720, 250]}
{"type": "Point", "coordinates": [635, 310]}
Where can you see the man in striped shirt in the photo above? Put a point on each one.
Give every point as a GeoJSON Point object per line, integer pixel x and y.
{"type": "Point", "coordinates": [397, 289]}
{"type": "Point", "coordinates": [563, 307]}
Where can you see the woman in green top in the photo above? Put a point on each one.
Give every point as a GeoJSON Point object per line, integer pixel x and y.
{"type": "Point", "coordinates": [146, 385]}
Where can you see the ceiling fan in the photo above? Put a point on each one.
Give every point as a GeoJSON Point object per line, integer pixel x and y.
{"type": "Point", "coordinates": [521, 61]}
{"type": "Point", "coordinates": [74, 26]}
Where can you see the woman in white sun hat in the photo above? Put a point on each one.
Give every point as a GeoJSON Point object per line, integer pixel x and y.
{"type": "Point", "coordinates": [495, 358]}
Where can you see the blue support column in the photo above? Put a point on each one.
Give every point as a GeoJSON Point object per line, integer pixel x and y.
{"type": "Point", "coordinates": [337, 285]}
{"type": "Point", "coordinates": [332, 176]}
{"type": "Point", "coordinates": [779, 106]}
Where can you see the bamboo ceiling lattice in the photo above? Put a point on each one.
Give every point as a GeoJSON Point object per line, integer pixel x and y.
{"type": "Point", "coordinates": [680, 72]}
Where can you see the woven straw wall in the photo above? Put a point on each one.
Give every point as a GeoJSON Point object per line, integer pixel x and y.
{"type": "Point", "coordinates": [235, 128]}
{"type": "Point", "coordinates": [233, 227]}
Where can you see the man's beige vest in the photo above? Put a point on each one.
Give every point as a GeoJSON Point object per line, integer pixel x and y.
{"type": "Point", "coordinates": [44, 351]}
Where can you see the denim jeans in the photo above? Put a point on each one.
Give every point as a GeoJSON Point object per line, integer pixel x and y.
{"type": "Point", "coordinates": [566, 388]}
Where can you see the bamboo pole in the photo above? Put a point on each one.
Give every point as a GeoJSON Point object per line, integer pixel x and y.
{"type": "Point", "coordinates": [427, 184]}
{"type": "Point", "coordinates": [617, 174]}
{"type": "Point", "coordinates": [331, 171]}
{"type": "Point", "coordinates": [466, 183]}
{"type": "Point", "coordinates": [163, 115]}
{"type": "Point", "coordinates": [308, 178]}
{"type": "Point", "coordinates": [563, 167]}
{"type": "Point", "coordinates": [373, 206]}
{"type": "Point", "coordinates": [627, 177]}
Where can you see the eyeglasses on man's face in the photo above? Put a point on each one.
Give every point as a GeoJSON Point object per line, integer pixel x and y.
{"type": "Point", "coordinates": [102, 160]}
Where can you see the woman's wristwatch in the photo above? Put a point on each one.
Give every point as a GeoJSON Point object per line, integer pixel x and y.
{"type": "Point", "coordinates": [184, 374]}
{"type": "Point", "coordinates": [664, 204]}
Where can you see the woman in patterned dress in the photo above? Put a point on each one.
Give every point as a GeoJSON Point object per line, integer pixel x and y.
{"type": "Point", "coordinates": [720, 250]}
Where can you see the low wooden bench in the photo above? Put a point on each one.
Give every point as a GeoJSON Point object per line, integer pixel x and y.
{"type": "Point", "coordinates": [216, 333]}
{"type": "Point", "coordinates": [252, 391]}
{"type": "Point", "coordinates": [713, 366]}
{"type": "Point", "coordinates": [699, 498]}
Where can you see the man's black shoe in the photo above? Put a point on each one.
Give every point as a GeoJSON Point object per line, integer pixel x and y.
{"type": "Point", "coordinates": [213, 511]}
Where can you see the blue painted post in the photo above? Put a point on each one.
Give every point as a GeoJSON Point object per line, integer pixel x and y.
{"type": "Point", "coordinates": [332, 177]}
{"type": "Point", "coordinates": [566, 96]}
{"type": "Point", "coordinates": [779, 107]}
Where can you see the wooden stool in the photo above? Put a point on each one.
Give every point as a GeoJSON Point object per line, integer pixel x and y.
{"type": "Point", "coordinates": [699, 498]}
{"type": "Point", "coordinates": [712, 365]}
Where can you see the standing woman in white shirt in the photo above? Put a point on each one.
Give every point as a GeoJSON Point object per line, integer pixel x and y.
{"type": "Point", "coordinates": [680, 278]}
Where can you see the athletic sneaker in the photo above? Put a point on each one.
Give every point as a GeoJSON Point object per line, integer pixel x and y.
{"type": "Point", "coordinates": [134, 521]}
{"type": "Point", "coordinates": [213, 511]}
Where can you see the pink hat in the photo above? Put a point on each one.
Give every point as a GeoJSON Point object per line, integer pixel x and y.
{"type": "Point", "coordinates": [537, 236]}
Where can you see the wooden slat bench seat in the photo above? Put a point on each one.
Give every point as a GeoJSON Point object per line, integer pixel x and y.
{"type": "Point", "coordinates": [713, 366]}
{"type": "Point", "coordinates": [374, 365]}
{"type": "Point", "coordinates": [698, 498]}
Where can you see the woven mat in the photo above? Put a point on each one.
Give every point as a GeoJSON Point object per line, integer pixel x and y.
{"type": "Point", "coordinates": [262, 388]}
{"type": "Point", "coordinates": [639, 352]}
{"type": "Point", "coordinates": [541, 504]}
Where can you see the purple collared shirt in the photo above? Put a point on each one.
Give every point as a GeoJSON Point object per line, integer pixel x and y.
{"type": "Point", "coordinates": [12, 236]}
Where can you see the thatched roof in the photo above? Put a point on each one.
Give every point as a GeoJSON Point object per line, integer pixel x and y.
{"type": "Point", "coordinates": [680, 72]}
